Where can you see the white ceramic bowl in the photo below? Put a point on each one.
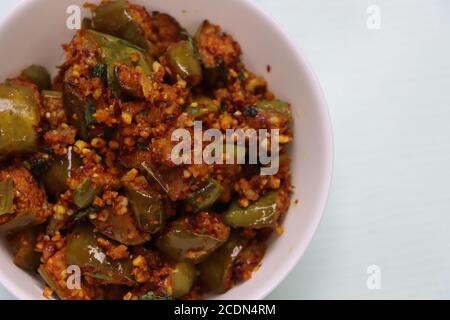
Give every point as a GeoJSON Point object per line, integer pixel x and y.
{"type": "Point", "coordinates": [35, 30]}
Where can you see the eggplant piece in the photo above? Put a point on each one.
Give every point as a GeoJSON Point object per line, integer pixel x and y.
{"type": "Point", "coordinates": [20, 222]}
{"type": "Point", "coordinates": [115, 19]}
{"type": "Point", "coordinates": [83, 251]}
{"type": "Point", "coordinates": [27, 212]}
{"type": "Point", "coordinates": [26, 257]}
{"type": "Point", "coordinates": [79, 109]}
{"type": "Point", "coordinates": [39, 76]}
{"type": "Point", "coordinates": [205, 197]}
{"type": "Point", "coordinates": [52, 283]}
{"type": "Point", "coordinates": [85, 193]}
{"type": "Point", "coordinates": [216, 49]}
{"type": "Point", "coordinates": [54, 179]}
{"type": "Point", "coordinates": [118, 51]}
{"type": "Point", "coordinates": [121, 228]}
{"type": "Point", "coordinates": [263, 213]}
{"type": "Point", "coordinates": [187, 239]}
{"type": "Point", "coordinates": [86, 24]}
{"type": "Point", "coordinates": [183, 278]}
{"type": "Point", "coordinates": [147, 207]}
{"type": "Point", "coordinates": [156, 176]}
{"type": "Point", "coordinates": [183, 61]}
{"type": "Point", "coordinates": [217, 52]}
{"type": "Point", "coordinates": [216, 273]}
{"type": "Point", "coordinates": [128, 81]}
{"type": "Point", "coordinates": [19, 118]}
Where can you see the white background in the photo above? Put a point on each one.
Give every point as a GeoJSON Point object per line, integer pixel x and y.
{"type": "Point", "coordinates": [389, 97]}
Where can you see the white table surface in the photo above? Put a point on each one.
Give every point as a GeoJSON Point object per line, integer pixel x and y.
{"type": "Point", "coordinates": [389, 96]}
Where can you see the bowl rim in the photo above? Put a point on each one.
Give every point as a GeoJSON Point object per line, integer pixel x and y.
{"type": "Point", "coordinates": [329, 149]}
{"type": "Point", "coordinates": [317, 90]}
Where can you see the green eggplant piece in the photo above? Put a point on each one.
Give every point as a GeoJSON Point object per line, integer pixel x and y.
{"type": "Point", "coordinates": [52, 283]}
{"type": "Point", "coordinates": [205, 197]}
{"type": "Point", "coordinates": [39, 76]}
{"type": "Point", "coordinates": [183, 278]}
{"type": "Point", "coordinates": [20, 222]}
{"type": "Point", "coordinates": [183, 61]}
{"type": "Point", "coordinates": [121, 228]}
{"type": "Point", "coordinates": [19, 118]}
{"type": "Point", "coordinates": [83, 251]}
{"type": "Point", "coordinates": [115, 51]}
{"type": "Point", "coordinates": [183, 242]}
{"type": "Point", "coordinates": [114, 18]}
{"type": "Point", "coordinates": [54, 179]}
{"type": "Point", "coordinates": [26, 257]}
{"type": "Point", "coordinates": [261, 214]}
{"type": "Point", "coordinates": [216, 271]}
{"type": "Point", "coordinates": [85, 193]}
{"type": "Point", "coordinates": [79, 109]}
{"type": "Point", "coordinates": [147, 208]}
